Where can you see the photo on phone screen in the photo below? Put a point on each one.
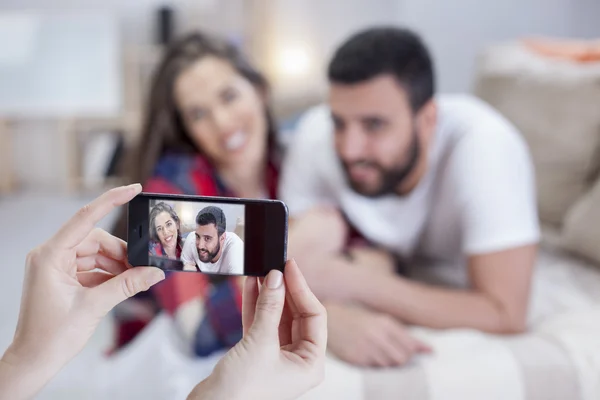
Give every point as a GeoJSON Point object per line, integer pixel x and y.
{"type": "Point", "coordinates": [203, 237]}
{"type": "Point", "coordinates": [210, 235]}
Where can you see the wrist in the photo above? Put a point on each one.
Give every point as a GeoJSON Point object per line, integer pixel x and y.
{"type": "Point", "coordinates": [13, 359]}
{"type": "Point", "coordinates": [12, 380]}
{"type": "Point", "coordinates": [25, 371]}
{"type": "Point", "coordinates": [214, 388]}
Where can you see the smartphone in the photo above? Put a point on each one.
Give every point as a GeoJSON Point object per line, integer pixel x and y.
{"type": "Point", "coordinates": [212, 235]}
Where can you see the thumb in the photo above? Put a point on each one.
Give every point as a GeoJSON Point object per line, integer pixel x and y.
{"type": "Point", "coordinates": [269, 307]}
{"type": "Point", "coordinates": [106, 296]}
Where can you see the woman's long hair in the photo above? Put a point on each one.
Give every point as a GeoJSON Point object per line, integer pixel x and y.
{"type": "Point", "coordinates": [163, 129]}
{"type": "Point", "coordinates": [154, 212]}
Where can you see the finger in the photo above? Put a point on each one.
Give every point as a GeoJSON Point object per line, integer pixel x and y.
{"type": "Point", "coordinates": [308, 307]}
{"type": "Point", "coordinates": [292, 319]}
{"type": "Point", "coordinates": [100, 241]}
{"type": "Point", "coordinates": [378, 358]}
{"type": "Point", "coordinates": [286, 325]}
{"type": "Point", "coordinates": [81, 224]}
{"type": "Point", "coordinates": [296, 323]}
{"type": "Point", "coordinates": [407, 342]}
{"type": "Point", "coordinates": [402, 339]}
{"type": "Point", "coordinates": [412, 344]}
{"type": "Point", "coordinates": [91, 279]}
{"type": "Point", "coordinates": [104, 297]}
{"type": "Point", "coordinates": [397, 353]}
{"type": "Point", "coordinates": [269, 307]}
{"type": "Point", "coordinates": [102, 262]}
{"type": "Point", "coordinates": [249, 297]}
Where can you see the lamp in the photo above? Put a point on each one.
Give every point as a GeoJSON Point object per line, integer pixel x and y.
{"type": "Point", "coordinates": [293, 61]}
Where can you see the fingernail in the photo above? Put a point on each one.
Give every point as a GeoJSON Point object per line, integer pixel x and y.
{"type": "Point", "coordinates": [274, 279]}
{"type": "Point", "coordinates": [137, 187]}
{"type": "Point", "coordinates": [155, 276]}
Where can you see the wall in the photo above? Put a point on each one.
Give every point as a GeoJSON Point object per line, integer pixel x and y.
{"type": "Point", "coordinates": [457, 30]}
{"type": "Point", "coordinates": [39, 153]}
{"type": "Point", "coordinates": [138, 16]}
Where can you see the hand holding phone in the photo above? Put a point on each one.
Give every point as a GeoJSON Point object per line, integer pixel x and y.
{"type": "Point", "coordinates": [222, 236]}
{"type": "Point", "coordinates": [71, 282]}
{"type": "Point", "coordinates": [282, 353]}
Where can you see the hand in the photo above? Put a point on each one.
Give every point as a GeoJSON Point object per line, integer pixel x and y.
{"type": "Point", "coordinates": [374, 259]}
{"type": "Point", "coordinates": [190, 267]}
{"type": "Point", "coordinates": [282, 353]}
{"type": "Point", "coordinates": [367, 338]}
{"type": "Point", "coordinates": [71, 282]}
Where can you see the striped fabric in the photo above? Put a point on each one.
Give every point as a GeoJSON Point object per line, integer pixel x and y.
{"type": "Point", "coordinates": [558, 359]}
{"type": "Point", "coordinates": [467, 365]}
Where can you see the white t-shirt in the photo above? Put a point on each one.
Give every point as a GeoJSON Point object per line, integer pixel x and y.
{"type": "Point", "coordinates": [477, 196]}
{"type": "Point", "coordinates": [231, 261]}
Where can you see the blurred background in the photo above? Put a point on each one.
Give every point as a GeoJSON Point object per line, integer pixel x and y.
{"type": "Point", "coordinates": [73, 74]}
{"type": "Point", "coordinates": [74, 77]}
{"type": "Point", "coordinates": [187, 211]}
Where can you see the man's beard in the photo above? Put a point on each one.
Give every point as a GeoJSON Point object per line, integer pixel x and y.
{"type": "Point", "coordinates": [210, 255]}
{"type": "Point", "coordinates": [390, 179]}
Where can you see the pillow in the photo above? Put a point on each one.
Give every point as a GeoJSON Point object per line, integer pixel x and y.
{"type": "Point", "coordinates": [581, 231]}
{"type": "Point", "coordinates": [555, 105]}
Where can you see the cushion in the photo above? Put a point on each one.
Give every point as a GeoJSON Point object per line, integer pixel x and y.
{"type": "Point", "coordinates": [555, 104]}
{"type": "Point", "coordinates": [581, 231]}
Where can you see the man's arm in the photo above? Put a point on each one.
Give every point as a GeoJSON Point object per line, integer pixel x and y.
{"type": "Point", "coordinates": [497, 302]}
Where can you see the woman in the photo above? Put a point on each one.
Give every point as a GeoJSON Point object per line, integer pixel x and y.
{"type": "Point", "coordinates": [208, 128]}
{"type": "Point", "coordinates": [165, 232]}
{"type": "Point", "coordinates": [208, 131]}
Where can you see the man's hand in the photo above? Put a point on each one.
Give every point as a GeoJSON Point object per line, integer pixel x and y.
{"type": "Point", "coordinates": [367, 338]}
{"type": "Point", "coordinates": [190, 267]}
{"type": "Point", "coordinates": [373, 259]}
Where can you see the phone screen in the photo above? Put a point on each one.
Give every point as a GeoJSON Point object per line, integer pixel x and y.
{"type": "Point", "coordinates": [221, 236]}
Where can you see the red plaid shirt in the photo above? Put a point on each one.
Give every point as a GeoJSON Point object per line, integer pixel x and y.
{"type": "Point", "coordinates": [193, 175]}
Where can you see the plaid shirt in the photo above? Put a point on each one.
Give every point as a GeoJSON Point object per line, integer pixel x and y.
{"type": "Point", "coordinates": [156, 249]}
{"type": "Point", "coordinates": [221, 323]}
